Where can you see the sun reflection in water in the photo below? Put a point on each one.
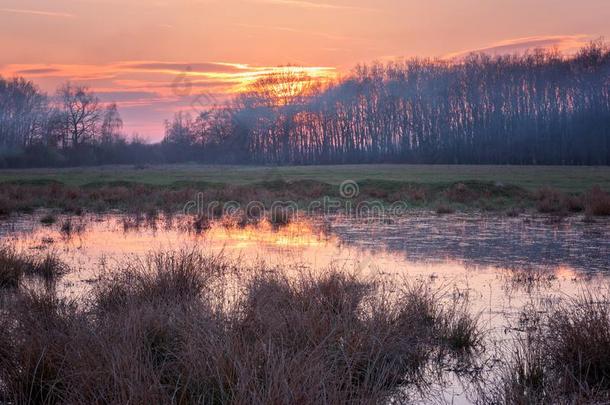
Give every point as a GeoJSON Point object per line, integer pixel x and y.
{"type": "Point", "coordinates": [294, 235]}
{"type": "Point", "coordinates": [419, 250]}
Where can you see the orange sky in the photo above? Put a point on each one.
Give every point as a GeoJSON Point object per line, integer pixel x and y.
{"type": "Point", "coordinates": [137, 52]}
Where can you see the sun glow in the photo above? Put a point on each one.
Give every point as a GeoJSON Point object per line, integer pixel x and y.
{"type": "Point", "coordinates": [286, 76]}
{"type": "Point", "coordinates": [295, 234]}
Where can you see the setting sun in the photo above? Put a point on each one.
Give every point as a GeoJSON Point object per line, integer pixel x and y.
{"type": "Point", "coordinates": [131, 52]}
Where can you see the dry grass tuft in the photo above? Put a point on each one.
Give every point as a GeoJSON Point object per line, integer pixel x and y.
{"type": "Point", "coordinates": [597, 202]}
{"type": "Point", "coordinates": [32, 369]}
{"type": "Point", "coordinates": [49, 267]}
{"type": "Point", "coordinates": [48, 219]}
{"type": "Point", "coordinates": [564, 359]}
{"type": "Point", "coordinates": [280, 217]}
{"type": "Point", "coordinates": [14, 266]}
{"type": "Point", "coordinates": [529, 279]}
{"type": "Point", "coordinates": [201, 224]}
{"type": "Point", "coordinates": [182, 327]}
{"type": "Point", "coordinates": [550, 201]}
{"type": "Point", "coordinates": [461, 193]}
{"type": "Point", "coordinates": [443, 209]}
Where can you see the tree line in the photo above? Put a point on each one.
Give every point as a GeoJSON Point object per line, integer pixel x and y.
{"type": "Point", "coordinates": [70, 128]}
{"type": "Point", "coordinates": [541, 107]}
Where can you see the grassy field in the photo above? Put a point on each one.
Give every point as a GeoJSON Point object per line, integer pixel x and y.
{"type": "Point", "coordinates": [564, 178]}
{"type": "Point", "coordinates": [446, 189]}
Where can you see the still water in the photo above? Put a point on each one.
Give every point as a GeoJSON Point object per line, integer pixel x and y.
{"type": "Point", "coordinates": [501, 264]}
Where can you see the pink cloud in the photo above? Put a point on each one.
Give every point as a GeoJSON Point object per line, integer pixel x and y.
{"type": "Point", "coordinates": [564, 43]}
{"type": "Point", "coordinates": [146, 92]}
{"type": "Point", "coordinates": [37, 12]}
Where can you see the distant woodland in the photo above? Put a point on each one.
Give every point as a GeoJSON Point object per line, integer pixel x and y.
{"type": "Point", "coordinates": [536, 108]}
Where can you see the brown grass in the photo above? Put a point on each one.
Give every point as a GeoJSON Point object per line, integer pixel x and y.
{"type": "Point", "coordinates": [142, 198]}
{"type": "Point", "coordinates": [443, 209]}
{"type": "Point", "coordinates": [186, 328]}
{"type": "Point", "coordinates": [563, 359]}
{"type": "Point", "coordinates": [48, 219]}
{"type": "Point", "coordinates": [550, 201]}
{"type": "Point", "coordinates": [201, 223]}
{"type": "Point", "coordinates": [529, 279]}
{"type": "Point", "coordinates": [597, 202]}
{"type": "Point", "coordinates": [14, 266]}
{"type": "Point", "coordinates": [280, 216]}
{"type": "Point", "coordinates": [461, 193]}
{"type": "Point", "coordinates": [70, 226]}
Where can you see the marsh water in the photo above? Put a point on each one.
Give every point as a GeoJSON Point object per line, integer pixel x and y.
{"type": "Point", "coordinates": [502, 264]}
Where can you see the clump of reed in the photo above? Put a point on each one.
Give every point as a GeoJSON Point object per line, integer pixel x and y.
{"type": "Point", "coordinates": [201, 223]}
{"type": "Point", "coordinates": [528, 278]}
{"type": "Point", "coordinates": [183, 327]}
{"type": "Point", "coordinates": [597, 202]}
{"type": "Point", "coordinates": [48, 219]}
{"type": "Point", "coordinates": [48, 267]}
{"type": "Point", "coordinates": [69, 227]}
{"type": "Point", "coordinates": [134, 221]}
{"type": "Point", "coordinates": [443, 209]}
{"type": "Point", "coordinates": [280, 216]}
{"type": "Point", "coordinates": [564, 357]}
{"type": "Point", "coordinates": [550, 201]}
{"type": "Point", "coordinates": [14, 266]}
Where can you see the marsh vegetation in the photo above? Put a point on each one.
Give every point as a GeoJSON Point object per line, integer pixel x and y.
{"type": "Point", "coordinates": [301, 309]}
{"type": "Point", "coordinates": [183, 327]}
{"type": "Point", "coordinates": [15, 266]}
{"type": "Point", "coordinates": [66, 194]}
{"type": "Point", "coordinates": [562, 358]}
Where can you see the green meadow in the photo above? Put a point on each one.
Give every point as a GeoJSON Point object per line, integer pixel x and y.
{"type": "Point", "coordinates": [564, 178]}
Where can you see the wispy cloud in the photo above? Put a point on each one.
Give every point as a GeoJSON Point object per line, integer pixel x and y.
{"type": "Point", "coordinates": [179, 67]}
{"type": "Point", "coordinates": [144, 83]}
{"type": "Point", "coordinates": [313, 5]}
{"type": "Point", "coordinates": [298, 31]}
{"type": "Point", "coordinates": [37, 12]}
{"type": "Point", "coordinates": [163, 71]}
{"type": "Point", "coordinates": [37, 71]}
{"type": "Point", "coordinates": [564, 43]}
{"type": "Point", "coordinates": [146, 90]}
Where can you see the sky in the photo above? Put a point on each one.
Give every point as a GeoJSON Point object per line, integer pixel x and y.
{"type": "Point", "coordinates": [156, 57]}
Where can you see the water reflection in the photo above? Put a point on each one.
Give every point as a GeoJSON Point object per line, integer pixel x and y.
{"type": "Point", "coordinates": [441, 245]}
{"type": "Point", "coordinates": [481, 241]}
{"type": "Point", "coordinates": [500, 263]}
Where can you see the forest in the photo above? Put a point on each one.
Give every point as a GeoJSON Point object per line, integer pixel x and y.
{"type": "Point", "coordinates": [541, 107]}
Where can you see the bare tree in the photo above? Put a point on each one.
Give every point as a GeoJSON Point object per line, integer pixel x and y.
{"type": "Point", "coordinates": [22, 113]}
{"type": "Point", "coordinates": [82, 112]}
{"type": "Point", "coordinates": [538, 108]}
{"type": "Point", "coordinates": [112, 124]}
{"type": "Point", "coordinates": [288, 85]}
